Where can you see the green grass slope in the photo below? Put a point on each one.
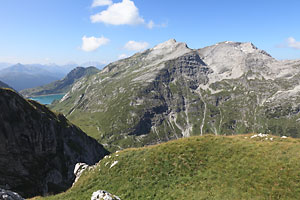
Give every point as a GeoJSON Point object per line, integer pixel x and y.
{"type": "Point", "coordinates": [208, 167]}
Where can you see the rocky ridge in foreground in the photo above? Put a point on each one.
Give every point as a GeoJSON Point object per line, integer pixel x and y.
{"type": "Point", "coordinates": [38, 148]}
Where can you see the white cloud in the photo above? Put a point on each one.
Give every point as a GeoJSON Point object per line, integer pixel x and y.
{"type": "Point", "coordinates": [151, 24]}
{"type": "Point", "coordinates": [292, 43]}
{"type": "Point", "coordinates": [122, 56]}
{"type": "Point", "coordinates": [136, 46]}
{"type": "Point", "coordinates": [93, 43]}
{"type": "Point", "coordinates": [97, 3]}
{"type": "Point", "coordinates": [121, 13]}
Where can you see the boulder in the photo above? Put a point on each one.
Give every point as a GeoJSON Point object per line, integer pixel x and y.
{"type": "Point", "coordinates": [79, 169]}
{"type": "Point", "coordinates": [103, 195]}
{"type": "Point", "coordinates": [9, 195]}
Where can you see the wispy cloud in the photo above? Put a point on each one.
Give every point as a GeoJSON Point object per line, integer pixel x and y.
{"type": "Point", "coordinates": [97, 3]}
{"type": "Point", "coordinates": [93, 43]}
{"type": "Point", "coordinates": [152, 25]}
{"type": "Point", "coordinates": [290, 42]}
{"type": "Point", "coordinates": [122, 56]}
{"type": "Point", "coordinates": [136, 46]}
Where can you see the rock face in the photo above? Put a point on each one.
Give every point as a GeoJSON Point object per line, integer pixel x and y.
{"type": "Point", "coordinates": [38, 148]}
{"type": "Point", "coordinates": [172, 91]}
{"type": "Point", "coordinates": [103, 195]}
{"type": "Point", "coordinates": [9, 195]}
{"type": "Point", "coordinates": [61, 86]}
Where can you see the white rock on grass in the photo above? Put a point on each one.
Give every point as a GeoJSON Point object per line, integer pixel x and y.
{"type": "Point", "coordinates": [79, 169]}
{"type": "Point", "coordinates": [259, 135]}
{"type": "Point", "coordinates": [103, 195]}
{"type": "Point", "coordinates": [283, 136]}
{"type": "Point", "coordinates": [114, 163]}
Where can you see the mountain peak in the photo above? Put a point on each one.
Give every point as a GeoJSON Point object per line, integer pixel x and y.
{"type": "Point", "coordinates": [169, 44]}
{"type": "Point", "coordinates": [231, 46]}
{"type": "Point", "coordinates": [168, 50]}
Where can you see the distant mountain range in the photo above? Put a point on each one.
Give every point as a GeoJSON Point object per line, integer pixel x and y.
{"type": "Point", "coordinates": [27, 76]}
{"type": "Point", "coordinates": [60, 86]}
{"type": "Point", "coordinates": [4, 65]}
{"type": "Point", "coordinates": [20, 76]}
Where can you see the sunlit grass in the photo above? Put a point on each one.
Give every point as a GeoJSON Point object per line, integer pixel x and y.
{"type": "Point", "coordinates": [209, 167]}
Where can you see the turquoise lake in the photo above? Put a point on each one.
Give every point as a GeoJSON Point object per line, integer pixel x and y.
{"type": "Point", "coordinates": [47, 99]}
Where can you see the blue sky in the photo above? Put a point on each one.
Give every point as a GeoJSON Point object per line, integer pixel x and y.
{"type": "Point", "coordinates": [63, 31]}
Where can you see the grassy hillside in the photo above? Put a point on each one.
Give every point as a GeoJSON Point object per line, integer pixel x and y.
{"type": "Point", "coordinates": [208, 167]}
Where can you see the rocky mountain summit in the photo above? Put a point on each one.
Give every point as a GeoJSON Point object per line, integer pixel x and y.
{"type": "Point", "coordinates": [172, 91]}
{"type": "Point", "coordinates": [60, 86]}
{"type": "Point", "coordinates": [38, 148]}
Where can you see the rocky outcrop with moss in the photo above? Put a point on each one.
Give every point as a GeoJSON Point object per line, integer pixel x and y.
{"type": "Point", "coordinates": [38, 148]}
{"type": "Point", "coordinates": [172, 91]}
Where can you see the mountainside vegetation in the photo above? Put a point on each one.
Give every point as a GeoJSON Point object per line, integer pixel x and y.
{"type": "Point", "coordinates": [60, 86]}
{"type": "Point", "coordinates": [171, 91]}
{"type": "Point", "coordinates": [209, 167]}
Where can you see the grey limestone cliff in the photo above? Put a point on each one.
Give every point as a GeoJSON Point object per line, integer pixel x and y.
{"type": "Point", "coordinates": [172, 91]}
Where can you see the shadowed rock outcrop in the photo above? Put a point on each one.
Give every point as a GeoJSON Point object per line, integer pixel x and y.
{"type": "Point", "coordinates": [38, 148]}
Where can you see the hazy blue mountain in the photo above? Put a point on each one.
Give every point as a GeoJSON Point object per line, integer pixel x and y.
{"type": "Point", "coordinates": [60, 86]}
{"type": "Point", "coordinates": [4, 65]}
{"type": "Point", "coordinates": [21, 76]}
